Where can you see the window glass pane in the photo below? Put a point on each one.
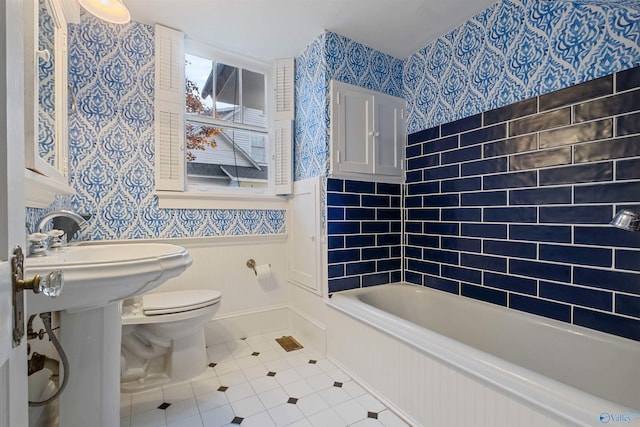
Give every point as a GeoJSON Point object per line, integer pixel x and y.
{"type": "Point", "coordinates": [226, 156]}
{"type": "Point", "coordinates": [199, 84]}
{"type": "Point", "coordinates": [253, 99]}
{"type": "Point", "coordinates": [227, 93]}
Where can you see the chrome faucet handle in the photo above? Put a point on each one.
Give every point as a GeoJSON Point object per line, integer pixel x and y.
{"type": "Point", "coordinates": [38, 244]}
{"type": "Point", "coordinates": [56, 243]}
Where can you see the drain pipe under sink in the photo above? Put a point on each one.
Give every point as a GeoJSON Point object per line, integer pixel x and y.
{"type": "Point", "coordinates": [46, 320]}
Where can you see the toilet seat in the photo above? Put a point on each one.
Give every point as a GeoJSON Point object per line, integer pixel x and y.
{"type": "Point", "coordinates": [178, 301]}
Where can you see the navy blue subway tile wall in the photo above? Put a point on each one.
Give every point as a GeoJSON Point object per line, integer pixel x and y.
{"type": "Point", "coordinates": [512, 206]}
{"type": "Point", "coordinates": [364, 230]}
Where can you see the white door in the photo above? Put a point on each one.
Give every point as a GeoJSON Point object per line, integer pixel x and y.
{"type": "Point", "coordinates": [13, 361]}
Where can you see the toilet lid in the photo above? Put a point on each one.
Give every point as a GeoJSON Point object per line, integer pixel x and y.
{"type": "Point", "coordinates": [178, 301]}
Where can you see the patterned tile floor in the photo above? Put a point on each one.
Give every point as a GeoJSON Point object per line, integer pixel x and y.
{"type": "Point", "coordinates": [255, 383]}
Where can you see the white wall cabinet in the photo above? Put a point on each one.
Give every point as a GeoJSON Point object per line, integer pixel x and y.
{"type": "Point", "coordinates": [368, 133]}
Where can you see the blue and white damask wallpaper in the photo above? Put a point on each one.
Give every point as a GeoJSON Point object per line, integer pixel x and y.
{"type": "Point", "coordinates": [515, 50]}
{"type": "Point", "coordinates": [332, 56]}
{"type": "Point", "coordinates": [512, 51]}
{"type": "Point", "coordinates": [111, 143]}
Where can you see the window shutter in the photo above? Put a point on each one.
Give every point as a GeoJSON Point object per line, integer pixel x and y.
{"type": "Point", "coordinates": [284, 76]}
{"type": "Point", "coordinates": [283, 157]}
{"type": "Point", "coordinates": [169, 110]}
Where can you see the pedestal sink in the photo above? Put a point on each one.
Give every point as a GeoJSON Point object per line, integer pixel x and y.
{"type": "Point", "coordinates": [99, 274]}
{"type": "Point", "coordinates": [96, 278]}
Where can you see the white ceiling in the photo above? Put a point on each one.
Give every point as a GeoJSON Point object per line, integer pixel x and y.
{"type": "Point", "coordinates": [269, 29]}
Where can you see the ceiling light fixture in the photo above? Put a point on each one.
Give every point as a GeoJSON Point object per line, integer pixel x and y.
{"type": "Point", "coordinates": [113, 11]}
{"type": "Point", "coordinates": [626, 220]}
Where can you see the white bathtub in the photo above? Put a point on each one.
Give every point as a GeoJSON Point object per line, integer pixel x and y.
{"type": "Point", "coordinates": [443, 360]}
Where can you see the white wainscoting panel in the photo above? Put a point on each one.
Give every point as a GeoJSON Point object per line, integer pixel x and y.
{"type": "Point", "coordinates": [248, 307]}
{"type": "Point", "coordinates": [220, 263]}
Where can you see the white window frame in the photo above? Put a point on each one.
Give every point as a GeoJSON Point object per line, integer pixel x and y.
{"type": "Point", "coordinates": [177, 194]}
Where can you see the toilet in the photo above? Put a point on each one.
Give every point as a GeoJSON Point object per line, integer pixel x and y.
{"type": "Point", "coordinates": [163, 337]}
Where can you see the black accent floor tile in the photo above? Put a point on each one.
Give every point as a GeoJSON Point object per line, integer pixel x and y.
{"type": "Point", "coordinates": [237, 420]}
{"type": "Point", "coordinates": [313, 362]}
{"type": "Point", "coordinates": [271, 374]}
{"type": "Point", "coordinates": [337, 384]}
{"type": "Point", "coordinates": [223, 388]}
{"type": "Point", "coordinates": [292, 400]}
{"type": "Point", "coordinates": [255, 353]}
{"type": "Point", "coordinates": [164, 405]}
{"type": "Point", "coordinates": [373, 415]}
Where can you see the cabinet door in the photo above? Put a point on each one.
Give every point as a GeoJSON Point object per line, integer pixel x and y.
{"type": "Point", "coordinates": [389, 135]}
{"type": "Point", "coordinates": [352, 115]}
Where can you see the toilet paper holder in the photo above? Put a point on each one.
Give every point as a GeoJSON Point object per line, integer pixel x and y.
{"type": "Point", "coordinates": [251, 263]}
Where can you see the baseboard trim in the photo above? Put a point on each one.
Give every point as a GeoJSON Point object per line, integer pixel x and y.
{"type": "Point", "coordinates": [235, 326]}
{"type": "Point", "coordinates": [314, 332]}
{"type": "Point", "coordinates": [238, 325]}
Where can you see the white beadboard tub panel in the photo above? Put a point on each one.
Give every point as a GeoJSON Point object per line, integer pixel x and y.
{"type": "Point", "coordinates": [426, 392]}
{"type": "Point", "coordinates": [564, 368]}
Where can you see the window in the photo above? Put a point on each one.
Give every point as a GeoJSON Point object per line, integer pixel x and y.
{"type": "Point", "coordinates": [226, 124]}
{"type": "Point", "coordinates": [214, 132]}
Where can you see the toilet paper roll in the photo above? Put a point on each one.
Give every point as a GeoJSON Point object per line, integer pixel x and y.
{"type": "Point", "coordinates": [263, 271]}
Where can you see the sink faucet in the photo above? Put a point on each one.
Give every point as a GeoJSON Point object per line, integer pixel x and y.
{"type": "Point", "coordinates": [65, 222]}
{"type": "Point", "coordinates": [79, 220]}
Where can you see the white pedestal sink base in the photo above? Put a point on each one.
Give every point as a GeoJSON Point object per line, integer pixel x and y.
{"type": "Point", "coordinates": [97, 277]}
{"type": "Point", "coordinates": [91, 340]}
